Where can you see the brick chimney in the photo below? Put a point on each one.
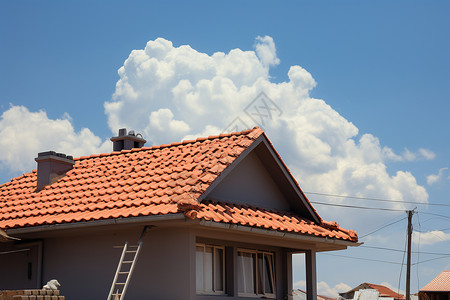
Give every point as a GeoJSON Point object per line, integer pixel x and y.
{"type": "Point", "coordinates": [127, 141]}
{"type": "Point", "coordinates": [51, 166]}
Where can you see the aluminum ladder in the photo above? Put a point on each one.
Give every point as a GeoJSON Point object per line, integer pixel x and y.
{"type": "Point", "coordinates": [124, 270]}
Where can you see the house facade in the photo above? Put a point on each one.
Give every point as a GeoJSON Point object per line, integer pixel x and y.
{"type": "Point", "coordinates": [220, 217]}
{"type": "Point", "coordinates": [437, 289]}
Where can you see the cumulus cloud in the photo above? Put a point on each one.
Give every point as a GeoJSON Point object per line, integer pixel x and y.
{"type": "Point", "coordinates": [408, 155]}
{"type": "Point", "coordinates": [430, 237]}
{"type": "Point", "coordinates": [433, 178]}
{"type": "Point", "coordinates": [266, 51]}
{"type": "Point", "coordinates": [169, 93]}
{"type": "Point", "coordinates": [324, 289]}
{"type": "Point", "coordinates": [23, 134]}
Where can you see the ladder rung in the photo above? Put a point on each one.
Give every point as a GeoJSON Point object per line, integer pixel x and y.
{"type": "Point", "coordinates": [122, 273]}
{"type": "Point", "coordinates": [120, 283]}
{"type": "Point", "coordinates": [127, 262]}
{"type": "Point", "coordinates": [131, 251]}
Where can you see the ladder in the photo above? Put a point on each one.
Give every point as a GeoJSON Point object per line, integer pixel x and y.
{"type": "Point", "coordinates": [124, 270]}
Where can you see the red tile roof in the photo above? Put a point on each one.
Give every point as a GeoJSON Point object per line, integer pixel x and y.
{"type": "Point", "coordinates": [439, 284]}
{"type": "Point", "coordinates": [383, 291]}
{"type": "Point", "coordinates": [156, 180]}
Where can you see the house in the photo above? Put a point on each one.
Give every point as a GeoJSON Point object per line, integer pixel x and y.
{"type": "Point", "coordinates": [437, 289]}
{"type": "Point", "coordinates": [223, 217]}
{"type": "Point", "coordinates": [383, 291]}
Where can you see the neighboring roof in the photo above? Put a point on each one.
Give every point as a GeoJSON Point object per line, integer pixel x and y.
{"type": "Point", "coordinates": [383, 290]}
{"type": "Point", "coordinates": [439, 284]}
{"type": "Point", "coordinates": [158, 180]}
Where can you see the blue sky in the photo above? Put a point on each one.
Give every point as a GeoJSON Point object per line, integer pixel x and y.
{"type": "Point", "coordinates": [381, 68]}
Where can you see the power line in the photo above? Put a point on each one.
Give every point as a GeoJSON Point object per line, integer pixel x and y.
{"type": "Point", "coordinates": [360, 207]}
{"type": "Point", "coordinates": [360, 258]}
{"type": "Point", "coordinates": [398, 250]}
{"type": "Point", "coordinates": [424, 261]}
{"type": "Point", "coordinates": [384, 261]}
{"type": "Point", "coordinates": [362, 236]}
{"type": "Point", "coordinates": [376, 199]}
{"type": "Point", "coordinates": [437, 215]}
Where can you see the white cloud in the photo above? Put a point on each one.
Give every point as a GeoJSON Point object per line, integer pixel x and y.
{"type": "Point", "coordinates": [301, 284]}
{"type": "Point", "coordinates": [427, 154]}
{"type": "Point", "coordinates": [433, 178]}
{"type": "Point", "coordinates": [265, 49]}
{"type": "Point", "coordinates": [430, 237]}
{"type": "Point", "coordinates": [23, 134]}
{"type": "Point", "coordinates": [324, 289]}
{"type": "Point", "coordinates": [408, 155]}
{"type": "Point", "coordinates": [199, 94]}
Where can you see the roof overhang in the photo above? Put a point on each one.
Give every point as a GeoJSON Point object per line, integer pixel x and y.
{"type": "Point", "coordinates": [274, 237]}
{"type": "Point", "coordinates": [293, 241]}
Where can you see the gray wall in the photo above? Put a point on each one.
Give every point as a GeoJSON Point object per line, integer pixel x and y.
{"type": "Point", "coordinates": [250, 183]}
{"type": "Point", "coordinates": [18, 266]}
{"type": "Point", "coordinates": [84, 262]}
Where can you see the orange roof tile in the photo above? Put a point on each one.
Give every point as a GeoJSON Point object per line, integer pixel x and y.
{"type": "Point", "coordinates": [158, 180]}
{"type": "Point", "coordinates": [439, 284]}
{"type": "Point", "coordinates": [383, 290]}
{"type": "Point", "coordinates": [268, 219]}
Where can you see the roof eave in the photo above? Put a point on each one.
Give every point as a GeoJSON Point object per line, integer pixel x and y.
{"type": "Point", "coordinates": [343, 244]}
{"type": "Point", "coordinates": [97, 223]}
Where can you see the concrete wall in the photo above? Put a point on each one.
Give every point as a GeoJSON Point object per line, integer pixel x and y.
{"type": "Point", "coordinates": [19, 265]}
{"type": "Point", "coordinates": [84, 262]}
{"type": "Point", "coordinates": [250, 183]}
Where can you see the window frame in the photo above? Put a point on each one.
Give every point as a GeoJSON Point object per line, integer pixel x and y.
{"type": "Point", "coordinates": [214, 291]}
{"type": "Point", "coordinates": [256, 271]}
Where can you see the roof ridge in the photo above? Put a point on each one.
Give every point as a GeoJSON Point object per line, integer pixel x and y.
{"type": "Point", "coordinates": [253, 133]}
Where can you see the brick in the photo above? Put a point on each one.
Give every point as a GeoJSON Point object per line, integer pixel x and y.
{"type": "Point", "coordinates": [39, 297]}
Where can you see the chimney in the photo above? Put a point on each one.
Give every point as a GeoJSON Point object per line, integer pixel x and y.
{"type": "Point", "coordinates": [51, 167]}
{"type": "Point", "coordinates": [127, 141]}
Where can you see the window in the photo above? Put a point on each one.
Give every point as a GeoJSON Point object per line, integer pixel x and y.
{"type": "Point", "coordinates": [255, 273]}
{"type": "Point", "coordinates": [210, 271]}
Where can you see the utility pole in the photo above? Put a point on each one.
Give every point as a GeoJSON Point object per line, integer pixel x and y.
{"type": "Point", "coordinates": [408, 266]}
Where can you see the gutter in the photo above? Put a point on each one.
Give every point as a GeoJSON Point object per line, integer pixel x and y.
{"type": "Point", "coordinates": [85, 224]}
{"type": "Point", "coordinates": [181, 217]}
{"type": "Point", "coordinates": [279, 234]}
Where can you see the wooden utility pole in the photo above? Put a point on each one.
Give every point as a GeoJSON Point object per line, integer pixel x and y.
{"type": "Point", "coordinates": [408, 266]}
